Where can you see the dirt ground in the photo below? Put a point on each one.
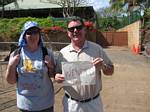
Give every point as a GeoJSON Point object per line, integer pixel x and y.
{"type": "Point", "coordinates": [126, 91]}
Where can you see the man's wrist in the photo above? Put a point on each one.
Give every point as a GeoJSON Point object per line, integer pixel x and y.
{"type": "Point", "coordinates": [104, 66]}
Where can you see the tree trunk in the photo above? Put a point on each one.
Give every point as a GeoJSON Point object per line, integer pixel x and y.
{"type": "Point", "coordinates": [2, 16]}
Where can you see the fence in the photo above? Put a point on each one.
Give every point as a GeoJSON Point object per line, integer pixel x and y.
{"type": "Point", "coordinates": [52, 45]}
{"type": "Point", "coordinates": [131, 18]}
{"type": "Point", "coordinates": [115, 38]}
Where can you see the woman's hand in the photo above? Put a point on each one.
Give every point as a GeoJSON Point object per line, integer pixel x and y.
{"type": "Point", "coordinates": [14, 61]}
{"type": "Point", "coordinates": [48, 62]}
{"type": "Point", "coordinates": [50, 65]}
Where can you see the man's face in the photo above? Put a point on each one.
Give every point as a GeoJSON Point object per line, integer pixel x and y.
{"type": "Point", "coordinates": [76, 31]}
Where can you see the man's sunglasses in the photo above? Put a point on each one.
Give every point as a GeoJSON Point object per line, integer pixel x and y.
{"type": "Point", "coordinates": [71, 29]}
{"type": "Point", "coordinates": [31, 32]}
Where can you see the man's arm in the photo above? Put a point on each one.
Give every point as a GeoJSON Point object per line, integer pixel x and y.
{"type": "Point", "coordinates": [107, 69]}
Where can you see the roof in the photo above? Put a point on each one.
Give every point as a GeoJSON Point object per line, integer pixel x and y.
{"type": "Point", "coordinates": [30, 4]}
{"type": "Point", "coordinates": [42, 8]}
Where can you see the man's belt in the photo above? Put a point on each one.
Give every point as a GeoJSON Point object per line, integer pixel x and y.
{"type": "Point", "coordinates": [82, 101]}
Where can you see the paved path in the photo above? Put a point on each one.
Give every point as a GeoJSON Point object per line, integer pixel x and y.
{"type": "Point", "coordinates": [128, 90]}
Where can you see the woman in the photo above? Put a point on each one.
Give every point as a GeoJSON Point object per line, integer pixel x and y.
{"type": "Point", "coordinates": [29, 69]}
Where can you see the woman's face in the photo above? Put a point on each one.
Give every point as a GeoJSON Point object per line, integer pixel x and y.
{"type": "Point", "coordinates": [32, 36]}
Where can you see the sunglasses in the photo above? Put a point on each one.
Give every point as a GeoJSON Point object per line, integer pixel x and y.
{"type": "Point", "coordinates": [71, 29]}
{"type": "Point", "coordinates": [31, 32]}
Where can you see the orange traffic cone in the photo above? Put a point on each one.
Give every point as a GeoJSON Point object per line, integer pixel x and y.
{"type": "Point", "coordinates": [134, 49]}
{"type": "Point", "coordinates": [137, 49]}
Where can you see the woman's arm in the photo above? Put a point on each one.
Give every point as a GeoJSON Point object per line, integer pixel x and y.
{"type": "Point", "coordinates": [10, 75]}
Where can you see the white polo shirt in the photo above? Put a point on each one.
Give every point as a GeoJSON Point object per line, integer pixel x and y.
{"type": "Point", "coordinates": [89, 52]}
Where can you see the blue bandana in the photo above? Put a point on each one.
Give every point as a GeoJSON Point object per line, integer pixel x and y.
{"type": "Point", "coordinates": [27, 26]}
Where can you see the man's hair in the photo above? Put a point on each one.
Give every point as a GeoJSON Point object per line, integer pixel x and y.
{"type": "Point", "coordinates": [75, 18]}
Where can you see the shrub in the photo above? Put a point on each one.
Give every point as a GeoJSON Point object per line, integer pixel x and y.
{"type": "Point", "coordinates": [11, 28]}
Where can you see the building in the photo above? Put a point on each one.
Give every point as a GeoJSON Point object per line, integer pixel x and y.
{"type": "Point", "coordinates": [42, 8]}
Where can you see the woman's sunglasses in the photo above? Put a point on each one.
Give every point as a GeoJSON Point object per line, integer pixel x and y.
{"type": "Point", "coordinates": [31, 32]}
{"type": "Point", "coordinates": [71, 29]}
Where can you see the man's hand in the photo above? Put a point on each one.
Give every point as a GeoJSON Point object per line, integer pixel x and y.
{"type": "Point", "coordinates": [59, 78]}
{"type": "Point", "coordinates": [98, 62]}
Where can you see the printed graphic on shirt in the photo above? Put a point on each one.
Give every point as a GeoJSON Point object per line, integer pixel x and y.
{"type": "Point", "coordinates": [32, 66]}
{"type": "Point", "coordinates": [31, 82]}
{"type": "Point", "coordinates": [28, 66]}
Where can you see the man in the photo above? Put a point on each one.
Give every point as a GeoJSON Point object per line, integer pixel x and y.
{"type": "Point", "coordinates": [84, 98]}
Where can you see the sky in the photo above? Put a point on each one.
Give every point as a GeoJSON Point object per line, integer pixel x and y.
{"type": "Point", "coordinates": [99, 3]}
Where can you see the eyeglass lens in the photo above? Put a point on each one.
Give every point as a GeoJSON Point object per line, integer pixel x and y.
{"type": "Point", "coordinates": [71, 29]}
{"type": "Point", "coordinates": [31, 32]}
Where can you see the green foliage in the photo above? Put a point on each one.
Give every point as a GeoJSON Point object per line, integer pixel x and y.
{"type": "Point", "coordinates": [62, 22]}
{"type": "Point", "coordinates": [11, 28]}
{"type": "Point", "coordinates": [117, 22]}
{"type": "Point", "coordinates": [106, 23]}
{"type": "Point", "coordinates": [147, 13]}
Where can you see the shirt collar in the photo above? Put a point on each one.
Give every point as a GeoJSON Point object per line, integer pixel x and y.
{"type": "Point", "coordinates": [71, 49]}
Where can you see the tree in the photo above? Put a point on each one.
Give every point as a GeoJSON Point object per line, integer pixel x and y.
{"type": "Point", "coordinates": [116, 5]}
{"type": "Point", "coordinates": [105, 12]}
{"type": "Point", "coordinates": [2, 5]}
{"type": "Point", "coordinates": [144, 4]}
{"type": "Point", "coordinates": [68, 5]}
{"type": "Point", "coordinates": [132, 5]}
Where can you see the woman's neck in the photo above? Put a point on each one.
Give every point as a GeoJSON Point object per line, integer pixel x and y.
{"type": "Point", "coordinates": [32, 48]}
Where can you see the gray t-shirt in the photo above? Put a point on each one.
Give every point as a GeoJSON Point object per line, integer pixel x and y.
{"type": "Point", "coordinates": [34, 87]}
